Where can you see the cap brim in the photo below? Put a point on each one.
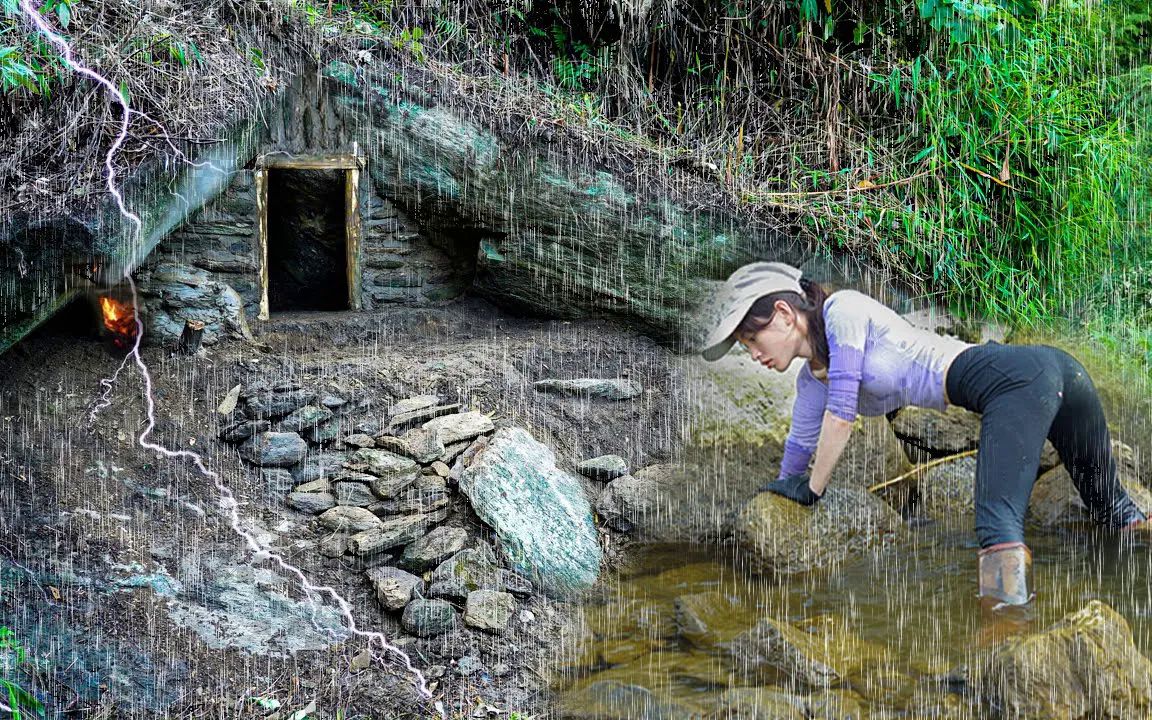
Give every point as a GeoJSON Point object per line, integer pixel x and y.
{"type": "Point", "coordinates": [719, 350]}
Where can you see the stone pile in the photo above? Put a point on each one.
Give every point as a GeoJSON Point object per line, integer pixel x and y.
{"type": "Point", "coordinates": [386, 493]}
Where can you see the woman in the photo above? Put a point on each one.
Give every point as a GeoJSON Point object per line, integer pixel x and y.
{"type": "Point", "coordinates": [863, 357]}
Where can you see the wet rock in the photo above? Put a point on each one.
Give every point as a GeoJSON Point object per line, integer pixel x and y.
{"type": "Point", "coordinates": [394, 587]}
{"type": "Point", "coordinates": [441, 469]}
{"type": "Point", "coordinates": [277, 480]}
{"type": "Point", "coordinates": [604, 468]}
{"type": "Point", "coordinates": [320, 466]}
{"type": "Point", "coordinates": [228, 403]}
{"type": "Point", "coordinates": [333, 545]}
{"type": "Point", "coordinates": [311, 502]}
{"type": "Point", "coordinates": [427, 618]}
{"type": "Point", "coordinates": [465, 572]}
{"type": "Point", "coordinates": [349, 519]}
{"type": "Point", "coordinates": [614, 700]}
{"type": "Point", "coordinates": [453, 451]}
{"type": "Point", "coordinates": [393, 471]}
{"type": "Point", "coordinates": [773, 650]}
{"type": "Point", "coordinates": [1085, 665]}
{"type": "Point", "coordinates": [459, 427]}
{"type": "Point", "coordinates": [353, 493]}
{"type": "Point", "coordinates": [276, 404]}
{"type": "Point", "coordinates": [314, 486]}
{"type": "Point", "coordinates": [511, 582]}
{"type": "Point", "coordinates": [761, 704]}
{"type": "Point", "coordinates": [626, 502]}
{"type": "Point", "coordinates": [432, 549]}
{"type": "Point", "coordinates": [835, 705]}
{"type": "Point", "coordinates": [274, 449]}
{"type": "Point", "coordinates": [430, 485]}
{"type": "Point", "coordinates": [367, 426]}
{"type": "Point", "coordinates": [424, 444]}
{"type": "Point", "coordinates": [1055, 501]}
{"type": "Point", "coordinates": [394, 444]}
{"type": "Point", "coordinates": [411, 501]}
{"type": "Point", "coordinates": [948, 492]}
{"type": "Point", "coordinates": [399, 423]}
{"type": "Point", "coordinates": [412, 404]}
{"type": "Point", "coordinates": [489, 610]}
{"type": "Point", "coordinates": [332, 402]}
{"type": "Point", "coordinates": [936, 433]}
{"type": "Point", "coordinates": [241, 431]}
{"type": "Point", "coordinates": [604, 389]}
{"type": "Point", "coordinates": [306, 417]}
{"type": "Point", "coordinates": [701, 618]}
{"type": "Point", "coordinates": [469, 665]}
{"type": "Point", "coordinates": [360, 440]}
{"type": "Point", "coordinates": [783, 536]}
{"type": "Point", "coordinates": [326, 432]}
{"type": "Point", "coordinates": [387, 534]}
{"type": "Point", "coordinates": [538, 512]}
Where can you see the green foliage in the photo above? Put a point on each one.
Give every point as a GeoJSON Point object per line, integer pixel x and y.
{"type": "Point", "coordinates": [14, 655]}
{"type": "Point", "coordinates": [27, 62]}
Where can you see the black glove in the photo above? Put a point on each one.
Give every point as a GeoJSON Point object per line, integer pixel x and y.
{"type": "Point", "coordinates": [793, 487]}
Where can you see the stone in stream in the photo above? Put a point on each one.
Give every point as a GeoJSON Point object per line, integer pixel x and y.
{"type": "Point", "coordinates": [412, 404]}
{"type": "Point", "coordinates": [451, 429]}
{"type": "Point", "coordinates": [432, 549]}
{"type": "Point", "coordinates": [604, 389]}
{"type": "Point", "coordinates": [274, 449]}
{"type": "Point", "coordinates": [762, 704]}
{"type": "Point", "coordinates": [427, 618]}
{"type": "Point", "coordinates": [306, 417]}
{"type": "Point", "coordinates": [424, 444]}
{"type": "Point", "coordinates": [783, 536]}
{"type": "Point", "coordinates": [1085, 665]}
{"type": "Point", "coordinates": [311, 502]}
{"type": "Point", "coordinates": [612, 699]}
{"type": "Point", "coordinates": [774, 651]}
{"type": "Point", "coordinates": [353, 493]}
{"type": "Point", "coordinates": [349, 519]}
{"type": "Point", "coordinates": [393, 586]}
{"type": "Point", "coordinates": [465, 572]}
{"type": "Point", "coordinates": [702, 617]}
{"type": "Point", "coordinates": [489, 610]}
{"type": "Point", "coordinates": [604, 468]}
{"type": "Point", "coordinates": [241, 431]}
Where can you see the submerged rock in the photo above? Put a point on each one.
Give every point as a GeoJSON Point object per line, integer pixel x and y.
{"type": "Point", "coordinates": [614, 700]}
{"type": "Point", "coordinates": [773, 650]}
{"type": "Point", "coordinates": [539, 513]}
{"type": "Point", "coordinates": [761, 704]}
{"type": "Point", "coordinates": [605, 389]}
{"type": "Point", "coordinates": [1085, 665]}
{"type": "Point", "coordinates": [783, 536]}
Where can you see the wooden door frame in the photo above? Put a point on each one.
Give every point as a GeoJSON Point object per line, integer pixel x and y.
{"type": "Point", "coordinates": [351, 165]}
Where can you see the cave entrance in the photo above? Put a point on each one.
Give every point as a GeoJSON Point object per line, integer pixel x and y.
{"type": "Point", "coordinates": [308, 229]}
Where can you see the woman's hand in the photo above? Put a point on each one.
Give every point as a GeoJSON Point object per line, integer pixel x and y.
{"type": "Point", "coordinates": [794, 487]}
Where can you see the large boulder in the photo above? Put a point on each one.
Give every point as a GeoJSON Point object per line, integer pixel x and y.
{"type": "Point", "coordinates": [173, 294]}
{"type": "Point", "coordinates": [948, 492]}
{"type": "Point", "coordinates": [932, 433]}
{"type": "Point", "coordinates": [1084, 666]}
{"type": "Point", "coordinates": [539, 513]}
{"type": "Point", "coordinates": [782, 536]}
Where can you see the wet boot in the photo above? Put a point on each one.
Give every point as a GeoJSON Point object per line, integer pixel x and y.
{"type": "Point", "coordinates": [1004, 571]}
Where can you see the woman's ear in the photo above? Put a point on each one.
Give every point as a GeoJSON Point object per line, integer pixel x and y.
{"type": "Point", "coordinates": [786, 311]}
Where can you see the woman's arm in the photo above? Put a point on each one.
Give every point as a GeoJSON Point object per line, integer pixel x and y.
{"type": "Point", "coordinates": [834, 434]}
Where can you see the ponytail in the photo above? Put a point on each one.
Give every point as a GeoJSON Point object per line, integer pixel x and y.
{"type": "Point", "coordinates": [810, 305]}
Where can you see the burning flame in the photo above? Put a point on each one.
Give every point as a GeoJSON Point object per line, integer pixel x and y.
{"type": "Point", "coordinates": [120, 320]}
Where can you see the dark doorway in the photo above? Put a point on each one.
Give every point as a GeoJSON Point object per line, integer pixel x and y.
{"type": "Point", "coordinates": [307, 240]}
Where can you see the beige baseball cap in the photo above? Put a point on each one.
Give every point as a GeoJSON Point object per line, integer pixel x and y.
{"type": "Point", "coordinates": [741, 290]}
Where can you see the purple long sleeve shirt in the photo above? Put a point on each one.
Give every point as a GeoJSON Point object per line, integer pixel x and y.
{"type": "Point", "coordinates": [878, 362]}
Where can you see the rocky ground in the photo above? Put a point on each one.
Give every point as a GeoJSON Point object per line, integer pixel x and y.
{"type": "Point", "coordinates": [359, 449]}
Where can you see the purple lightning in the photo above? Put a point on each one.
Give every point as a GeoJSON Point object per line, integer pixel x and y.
{"type": "Point", "coordinates": [226, 499]}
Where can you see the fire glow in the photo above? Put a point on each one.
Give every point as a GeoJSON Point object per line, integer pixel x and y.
{"type": "Point", "coordinates": [119, 319]}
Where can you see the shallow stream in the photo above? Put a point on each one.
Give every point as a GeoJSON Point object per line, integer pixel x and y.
{"type": "Point", "coordinates": [907, 618]}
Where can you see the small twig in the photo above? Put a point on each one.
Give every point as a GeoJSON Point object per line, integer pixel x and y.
{"type": "Point", "coordinates": [920, 468]}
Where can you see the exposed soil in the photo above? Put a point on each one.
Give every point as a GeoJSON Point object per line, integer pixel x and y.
{"type": "Point", "coordinates": [105, 543]}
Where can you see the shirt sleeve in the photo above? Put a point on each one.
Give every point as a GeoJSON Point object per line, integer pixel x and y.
{"type": "Point", "coordinates": [807, 419]}
{"type": "Point", "coordinates": [846, 327]}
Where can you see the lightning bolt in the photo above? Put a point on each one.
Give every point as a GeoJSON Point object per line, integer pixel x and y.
{"type": "Point", "coordinates": [226, 499]}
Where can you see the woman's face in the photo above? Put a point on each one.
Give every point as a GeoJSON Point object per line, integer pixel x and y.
{"type": "Point", "coordinates": [776, 344]}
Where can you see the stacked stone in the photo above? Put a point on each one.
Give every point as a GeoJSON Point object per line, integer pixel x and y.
{"type": "Point", "coordinates": [381, 495]}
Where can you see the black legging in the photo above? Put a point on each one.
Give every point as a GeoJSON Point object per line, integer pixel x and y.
{"type": "Point", "coordinates": [1027, 393]}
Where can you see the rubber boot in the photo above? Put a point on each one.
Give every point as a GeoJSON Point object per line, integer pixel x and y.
{"type": "Point", "coordinates": [1004, 571]}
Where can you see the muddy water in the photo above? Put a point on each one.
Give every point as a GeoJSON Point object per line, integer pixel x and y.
{"type": "Point", "coordinates": [908, 617]}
